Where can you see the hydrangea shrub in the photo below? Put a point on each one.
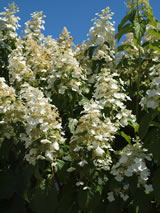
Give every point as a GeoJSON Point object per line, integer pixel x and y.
{"type": "Point", "coordinates": [80, 124]}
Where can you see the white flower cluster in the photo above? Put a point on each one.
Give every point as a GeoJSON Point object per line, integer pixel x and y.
{"type": "Point", "coordinates": [111, 94]}
{"type": "Point", "coordinates": [45, 63]}
{"type": "Point", "coordinates": [132, 161]}
{"type": "Point", "coordinates": [31, 62]}
{"type": "Point", "coordinates": [136, 3]}
{"type": "Point", "coordinates": [34, 26]}
{"type": "Point", "coordinates": [102, 30]}
{"type": "Point", "coordinates": [129, 40]}
{"type": "Point", "coordinates": [95, 131]}
{"type": "Point", "coordinates": [9, 23]}
{"type": "Point", "coordinates": [11, 110]}
{"type": "Point", "coordinates": [7, 96]}
{"type": "Point", "coordinates": [19, 70]}
{"type": "Point", "coordinates": [66, 69]}
{"type": "Point", "coordinates": [104, 53]}
{"type": "Point", "coordinates": [43, 130]}
{"type": "Point", "coordinates": [39, 60]}
{"type": "Point", "coordinates": [109, 89]}
{"type": "Point", "coordinates": [152, 98]}
{"type": "Point", "coordinates": [101, 42]}
{"type": "Point", "coordinates": [111, 196]}
{"type": "Point", "coordinates": [93, 134]}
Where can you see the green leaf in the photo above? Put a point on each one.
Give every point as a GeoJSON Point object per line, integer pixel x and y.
{"type": "Point", "coordinates": [17, 205]}
{"type": "Point", "coordinates": [126, 137]}
{"type": "Point", "coordinates": [70, 96]}
{"type": "Point", "coordinates": [132, 15]}
{"type": "Point", "coordinates": [1, 35]}
{"type": "Point", "coordinates": [149, 14]}
{"type": "Point", "coordinates": [154, 33]}
{"type": "Point", "coordinates": [125, 29]}
{"type": "Point", "coordinates": [129, 17]}
{"type": "Point", "coordinates": [83, 101]}
{"type": "Point", "coordinates": [152, 143]}
{"type": "Point", "coordinates": [12, 182]}
{"type": "Point", "coordinates": [82, 199]}
{"type": "Point", "coordinates": [132, 184]}
{"type": "Point", "coordinates": [74, 208]}
{"type": "Point", "coordinates": [57, 83]}
{"type": "Point", "coordinates": [60, 164]}
{"type": "Point", "coordinates": [7, 184]}
{"type": "Point", "coordinates": [67, 196]}
{"type": "Point", "coordinates": [124, 20]}
{"type": "Point", "coordinates": [145, 44]}
{"type": "Point", "coordinates": [142, 202]}
{"type": "Point", "coordinates": [5, 150]}
{"type": "Point", "coordinates": [145, 123]}
{"type": "Point", "coordinates": [90, 51]}
{"type": "Point", "coordinates": [154, 47]}
{"type": "Point", "coordinates": [22, 179]}
{"type": "Point", "coordinates": [156, 124]}
{"type": "Point", "coordinates": [156, 185]}
{"type": "Point", "coordinates": [115, 206]}
{"type": "Point", "coordinates": [139, 29]}
{"type": "Point", "coordinates": [93, 200]}
{"type": "Point", "coordinates": [158, 26]}
{"type": "Point", "coordinates": [124, 47]}
{"type": "Point", "coordinates": [45, 200]}
{"type": "Point", "coordinates": [71, 125]}
{"type": "Point", "coordinates": [135, 126]}
{"type": "Point", "coordinates": [137, 209]}
{"type": "Point", "coordinates": [96, 65]}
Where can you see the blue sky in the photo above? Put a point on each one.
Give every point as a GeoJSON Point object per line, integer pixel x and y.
{"type": "Point", "coordinates": [75, 15]}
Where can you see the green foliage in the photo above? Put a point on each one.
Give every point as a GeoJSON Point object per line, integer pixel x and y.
{"type": "Point", "coordinates": [145, 123]}
{"type": "Point", "coordinates": [128, 28]}
{"type": "Point", "coordinates": [126, 137]}
{"type": "Point", "coordinates": [124, 47]}
{"type": "Point", "coordinates": [154, 33]}
{"type": "Point", "coordinates": [156, 185]}
{"type": "Point", "coordinates": [139, 29]}
{"type": "Point", "coordinates": [129, 17]}
{"type": "Point", "coordinates": [90, 51]}
{"type": "Point", "coordinates": [141, 202]}
{"type": "Point", "coordinates": [152, 143]}
{"type": "Point", "coordinates": [44, 198]}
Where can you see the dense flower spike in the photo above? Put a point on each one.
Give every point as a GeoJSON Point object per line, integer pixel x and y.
{"type": "Point", "coordinates": [11, 111]}
{"type": "Point", "coordinates": [34, 26]}
{"type": "Point", "coordinates": [9, 23]}
{"type": "Point", "coordinates": [132, 161]}
{"type": "Point", "coordinates": [102, 30]}
{"type": "Point", "coordinates": [38, 59]}
{"type": "Point", "coordinates": [94, 134]}
{"type": "Point", "coordinates": [19, 70]}
{"type": "Point", "coordinates": [66, 69]}
{"type": "Point", "coordinates": [152, 99]}
{"type": "Point", "coordinates": [7, 96]}
{"type": "Point", "coordinates": [101, 42]}
{"type": "Point", "coordinates": [111, 94]}
{"type": "Point", "coordinates": [43, 130]}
